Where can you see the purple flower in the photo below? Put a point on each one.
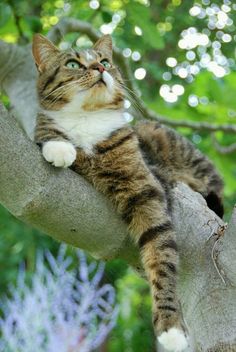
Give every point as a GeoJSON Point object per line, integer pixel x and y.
{"type": "Point", "coordinates": [61, 310]}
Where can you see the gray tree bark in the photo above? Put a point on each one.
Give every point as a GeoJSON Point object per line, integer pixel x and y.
{"type": "Point", "coordinates": [66, 207]}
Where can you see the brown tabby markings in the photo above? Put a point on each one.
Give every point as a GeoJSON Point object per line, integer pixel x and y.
{"type": "Point", "coordinates": [135, 169]}
{"type": "Point", "coordinates": [56, 76]}
{"type": "Point", "coordinates": [173, 158]}
{"type": "Point", "coordinates": [143, 206]}
{"type": "Point", "coordinates": [47, 130]}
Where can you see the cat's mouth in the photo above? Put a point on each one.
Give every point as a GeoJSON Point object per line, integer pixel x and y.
{"type": "Point", "coordinates": [105, 80]}
{"type": "Point", "coordinates": [100, 82]}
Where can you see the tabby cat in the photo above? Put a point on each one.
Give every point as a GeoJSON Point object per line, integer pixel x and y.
{"type": "Point", "coordinates": [81, 125]}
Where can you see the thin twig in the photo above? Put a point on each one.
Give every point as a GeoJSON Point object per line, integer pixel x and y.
{"type": "Point", "coordinates": [221, 148]}
{"type": "Point", "coordinates": [216, 265]}
{"type": "Point", "coordinates": [214, 254]}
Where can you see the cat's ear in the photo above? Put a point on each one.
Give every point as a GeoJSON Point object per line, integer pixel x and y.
{"type": "Point", "coordinates": [42, 50]}
{"type": "Point", "coordinates": [104, 44]}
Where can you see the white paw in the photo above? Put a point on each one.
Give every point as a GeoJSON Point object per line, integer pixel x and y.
{"type": "Point", "coordinates": [59, 153]}
{"type": "Point", "coordinates": [173, 340]}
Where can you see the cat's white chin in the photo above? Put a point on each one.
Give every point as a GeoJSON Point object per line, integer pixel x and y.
{"type": "Point", "coordinates": [59, 153]}
{"type": "Point", "coordinates": [107, 78]}
{"type": "Point", "coordinates": [173, 340]}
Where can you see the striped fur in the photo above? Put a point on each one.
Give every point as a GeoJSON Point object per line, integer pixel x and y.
{"type": "Point", "coordinates": [173, 158]}
{"type": "Point", "coordinates": [135, 168]}
{"type": "Point", "coordinates": [118, 170]}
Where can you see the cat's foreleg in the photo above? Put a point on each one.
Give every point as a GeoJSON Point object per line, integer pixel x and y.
{"type": "Point", "coordinates": [56, 148]}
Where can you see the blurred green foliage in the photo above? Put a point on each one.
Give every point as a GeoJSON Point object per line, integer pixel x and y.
{"type": "Point", "coordinates": [149, 33]}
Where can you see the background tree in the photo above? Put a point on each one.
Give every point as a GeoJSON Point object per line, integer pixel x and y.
{"type": "Point", "coordinates": [179, 56]}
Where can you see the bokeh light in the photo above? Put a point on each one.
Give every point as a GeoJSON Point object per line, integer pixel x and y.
{"type": "Point", "coordinates": [204, 48]}
{"type": "Point", "coordinates": [140, 73]}
{"type": "Point", "coordinates": [94, 4]}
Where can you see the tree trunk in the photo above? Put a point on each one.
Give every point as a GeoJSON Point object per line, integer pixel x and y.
{"type": "Point", "coordinates": [65, 206]}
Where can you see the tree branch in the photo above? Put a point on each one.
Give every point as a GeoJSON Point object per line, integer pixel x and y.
{"type": "Point", "coordinates": [74, 212]}
{"type": "Point", "coordinates": [18, 79]}
{"type": "Point", "coordinates": [223, 149]}
{"type": "Point", "coordinates": [72, 25]}
{"type": "Point", "coordinates": [67, 25]}
{"type": "Point", "coordinates": [41, 195]}
{"type": "Point", "coordinates": [226, 251]}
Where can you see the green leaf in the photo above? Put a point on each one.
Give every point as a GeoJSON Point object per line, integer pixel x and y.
{"type": "Point", "coordinates": [106, 16]}
{"type": "Point", "coordinates": [140, 15]}
{"type": "Point", "coordinates": [34, 23]}
{"type": "Point", "coordinates": [5, 14]}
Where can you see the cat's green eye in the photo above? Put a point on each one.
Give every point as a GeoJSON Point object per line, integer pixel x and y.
{"type": "Point", "coordinates": [73, 64]}
{"type": "Point", "coordinates": [106, 64]}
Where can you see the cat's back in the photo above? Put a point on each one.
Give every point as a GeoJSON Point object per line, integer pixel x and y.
{"type": "Point", "coordinates": [174, 158]}
{"type": "Point", "coordinates": [164, 146]}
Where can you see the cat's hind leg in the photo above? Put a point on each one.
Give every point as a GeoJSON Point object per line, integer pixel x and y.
{"type": "Point", "coordinates": [160, 260]}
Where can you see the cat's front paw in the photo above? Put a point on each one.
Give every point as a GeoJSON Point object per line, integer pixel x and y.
{"type": "Point", "coordinates": [173, 340]}
{"type": "Point", "coordinates": [59, 153]}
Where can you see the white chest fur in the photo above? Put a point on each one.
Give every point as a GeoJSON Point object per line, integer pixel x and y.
{"type": "Point", "coordinates": [88, 128]}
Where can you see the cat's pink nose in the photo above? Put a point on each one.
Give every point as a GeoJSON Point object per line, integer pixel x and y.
{"type": "Point", "coordinates": [98, 67]}
{"type": "Point", "coordinates": [101, 68]}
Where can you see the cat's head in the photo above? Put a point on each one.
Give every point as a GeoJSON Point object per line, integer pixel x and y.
{"type": "Point", "coordinates": [86, 80]}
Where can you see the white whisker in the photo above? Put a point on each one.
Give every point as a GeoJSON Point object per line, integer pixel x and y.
{"type": "Point", "coordinates": [60, 88]}
{"type": "Point", "coordinates": [131, 96]}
